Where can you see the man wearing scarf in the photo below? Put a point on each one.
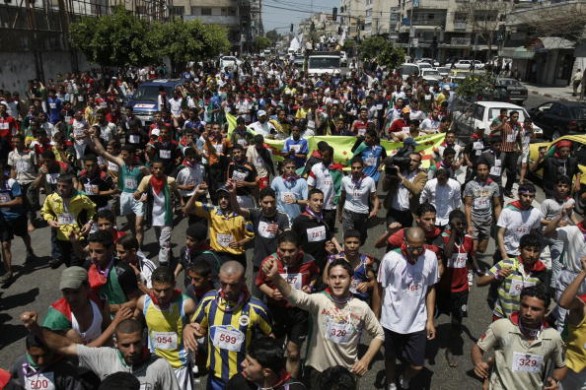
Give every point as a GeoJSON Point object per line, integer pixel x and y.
{"type": "Point", "coordinates": [301, 272]}
{"type": "Point", "coordinates": [158, 192]}
{"type": "Point", "coordinates": [296, 147]}
{"type": "Point", "coordinates": [260, 157]}
{"type": "Point", "coordinates": [291, 190]}
{"type": "Point", "coordinates": [166, 311]}
{"type": "Point", "coordinates": [407, 276]}
{"type": "Point", "coordinates": [314, 234]}
{"type": "Point", "coordinates": [227, 317]}
{"type": "Point", "coordinates": [326, 176]}
{"type": "Point", "coordinates": [110, 278]}
{"type": "Point", "coordinates": [244, 176]}
{"type": "Point", "coordinates": [524, 347]}
{"type": "Point", "coordinates": [560, 162]}
{"type": "Point", "coordinates": [511, 275]}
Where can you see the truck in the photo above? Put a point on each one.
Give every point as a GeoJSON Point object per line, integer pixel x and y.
{"type": "Point", "coordinates": [322, 62]}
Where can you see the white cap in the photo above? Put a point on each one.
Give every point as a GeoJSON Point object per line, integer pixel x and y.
{"type": "Point", "coordinates": [260, 113]}
{"type": "Point", "coordinates": [156, 132]}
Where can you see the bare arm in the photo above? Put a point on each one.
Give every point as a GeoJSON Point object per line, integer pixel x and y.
{"type": "Point", "coordinates": [54, 341]}
{"type": "Point", "coordinates": [102, 152]}
{"type": "Point", "coordinates": [569, 299]}
{"type": "Point", "coordinates": [235, 206]}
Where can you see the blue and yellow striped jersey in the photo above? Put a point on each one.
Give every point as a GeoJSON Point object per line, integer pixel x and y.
{"type": "Point", "coordinates": [230, 331]}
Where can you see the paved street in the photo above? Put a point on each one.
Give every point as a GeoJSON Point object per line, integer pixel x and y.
{"type": "Point", "coordinates": [36, 284]}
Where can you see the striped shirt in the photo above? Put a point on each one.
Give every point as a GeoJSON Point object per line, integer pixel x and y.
{"type": "Point", "coordinates": [509, 289]}
{"type": "Point", "coordinates": [230, 331]}
{"type": "Point", "coordinates": [510, 134]}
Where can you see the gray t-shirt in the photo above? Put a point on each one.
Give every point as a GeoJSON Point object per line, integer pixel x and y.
{"type": "Point", "coordinates": [482, 195]}
{"type": "Point", "coordinates": [154, 374]}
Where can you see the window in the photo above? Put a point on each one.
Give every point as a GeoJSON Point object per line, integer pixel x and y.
{"type": "Point", "coordinates": [206, 11]}
{"type": "Point", "coordinates": [194, 10]}
{"type": "Point", "coordinates": [176, 11]}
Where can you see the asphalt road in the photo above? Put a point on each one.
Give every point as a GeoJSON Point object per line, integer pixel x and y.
{"type": "Point", "coordinates": [36, 286]}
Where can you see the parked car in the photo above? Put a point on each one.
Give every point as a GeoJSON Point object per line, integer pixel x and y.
{"type": "Point", "coordinates": [430, 74]}
{"type": "Point", "coordinates": [429, 61]}
{"type": "Point", "coordinates": [229, 62]}
{"type": "Point", "coordinates": [443, 71]}
{"type": "Point", "coordinates": [511, 90]}
{"type": "Point", "coordinates": [469, 64]}
{"type": "Point", "coordinates": [409, 69]}
{"type": "Point", "coordinates": [578, 150]}
{"type": "Point", "coordinates": [560, 118]}
{"type": "Point", "coordinates": [144, 101]}
{"type": "Point", "coordinates": [469, 116]}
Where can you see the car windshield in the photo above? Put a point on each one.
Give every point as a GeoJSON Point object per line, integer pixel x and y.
{"type": "Point", "coordinates": [496, 111]}
{"type": "Point", "coordinates": [441, 69]}
{"type": "Point", "coordinates": [408, 70]}
{"type": "Point", "coordinates": [150, 92]}
{"type": "Point", "coordinates": [424, 65]}
{"type": "Point", "coordinates": [228, 58]}
{"type": "Point", "coordinates": [430, 72]}
{"type": "Point", "coordinates": [324, 62]}
{"type": "Point", "coordinates": [579, 112]}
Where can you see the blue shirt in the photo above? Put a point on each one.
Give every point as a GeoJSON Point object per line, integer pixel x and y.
{"type": "Point", "coordinates": [290, 143]}
{"type": "Point", "coordinates": [297, 188]}
{"type": "Point", "coordinates": [372, 157]}
{"type": "Point", "coordinates": [9, 190]}
{"type": "Point", "coordinates": [55, 107]}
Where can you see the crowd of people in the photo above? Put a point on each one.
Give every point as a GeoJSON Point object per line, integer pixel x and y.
{"type": "Point", "coordinates": [76, 156]}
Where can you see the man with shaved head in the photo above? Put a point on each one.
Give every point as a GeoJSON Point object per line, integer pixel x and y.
{"type": "Point", "coordinates": [228, 317]}
{"type": "Point", "coordinates": [407, 276]}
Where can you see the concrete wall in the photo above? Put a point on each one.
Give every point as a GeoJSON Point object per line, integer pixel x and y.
{"type": "Point", "coordinates": [17, 68]}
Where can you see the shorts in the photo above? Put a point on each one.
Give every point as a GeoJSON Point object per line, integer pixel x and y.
{"type": "Point", "coordinates": [184, 377]}
{"type": "Point", "coordinates": [129, 205]}
{"type": "Point", "coordinates": [291, 322]}
{"type": "Point", "coordinates": [454, 304]}
{"type": "Point", "coordinates": [524, 156]}
{"type": "Point", "coordinates": [8, 229]}
{"type": "Point", "coordinates": [408, 347]}
{"type": "Point", "coordinates": [481, 229]}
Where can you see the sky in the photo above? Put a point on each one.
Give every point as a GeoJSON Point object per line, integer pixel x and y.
{"type": "Point", "coordinates": [292, 11]}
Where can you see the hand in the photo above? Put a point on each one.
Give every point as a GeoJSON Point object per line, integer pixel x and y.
{"type": "Point", "coordinates": [234, 244]}
{"type": "Point", "coordinates": [240, 184]}
{"type": "Point", "coordinates": [276, 295]}
{"type": "Point", "coordinates": [306, 289]}
{"type": "Point", "coordinates": [191, 333]}
{"type": "Point", "coordinates": [552, 384]}
{"type": "Point", "coordinates": [470, 231]}
{"type": "Point", "coordinates": [330, 247]}
{"type": "Point", "coordinates": [137, 195]}
{"type": "Point", "coordinates": [271, 269]}
{"type": "Point", "coordinates": [504, 273]}
{"type": "Point", "coordinates": [430, 329]}
{"type": "Point", "coordinates": [372, 214]}
{"type": "Point", "coordinates": [359, 368]}
{"type": "Point", "coordinates": [85, 229]}
{"type": "Point", "coordinates": [362, 287]}
{"type": "Point", "coordinates": [481, 369]}
{"type": "Point", "coordinates": [583, 262]}
{"type": "Point", "coordinates": [29, 319]}
{"type": "Point", "coordinates": [43, 169]}
{"type": "Point", "coordinates": [200, 189]}
{"type": "Point", "coordinates": [53, 224]}
{"type": "Point", "coordinates": [395, 226]}
{"type": "Point", "coordinates": [124, 313]}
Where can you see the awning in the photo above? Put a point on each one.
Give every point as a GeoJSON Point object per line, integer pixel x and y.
{"type": "Point", "coordinates": [550, 43]}
{"type": "Point", "coordinates": [517, 53]}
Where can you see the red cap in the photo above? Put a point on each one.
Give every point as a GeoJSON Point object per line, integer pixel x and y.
{"type": "Point", "coordinates": [564, 144]}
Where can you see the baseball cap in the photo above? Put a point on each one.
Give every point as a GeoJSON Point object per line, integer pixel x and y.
{"type": "Point", "coordinates": [405, 110]}
{"type": "Point", "coordinates": [222, 189]}
{"type": "Point", "coordinates": [156, 132]}
{"type": "Point", "coordinates": [260, 113]}
{"type": "Point", "coordinates": [73, 278]}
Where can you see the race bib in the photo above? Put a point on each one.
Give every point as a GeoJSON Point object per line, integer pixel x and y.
{"type": "Point", "coordinates": [23, 165]}
{"type": "Point", "coordinates": [458, 260]}
{"type": "Point", "coordinates": [65, 219]}
{"type": "Point", "coordinates": [527, 362]}
{"type": "Point", "coordinates": [164, 340]}
{"type": "Point", "coordinates": [52, 178]}
{"type": "Point", "coordinates": [288, 197]}
{"type": "Point", "coordinates": [113, 167]}
{"type": "Point", "coordinates": [496, 169]}
{"type": "Point", "coordinates": [267, 230]}
{"type": "Point", "coordinates": [316, 234]}
{"type": "Point", "coordinates": [219, 148]}
{"type": "Point", "coordinates": [164, 154]}
{"type": "Point", "coordinates": [4, 126]}
{"type": "Point", "coordinates": [294, 280]}
{"type": "Point", "coordinates": [224, 239]}
{"type": "Point", "coordinates": [414, 288]}
{"type": "Point", "coordinates": [239, 176]}
{"type": "Point", "coordinates": [242, 141]}
{"type": "Point", "coordinates": [130, 183]}
{"type": "Point", "coordinates": [4, 197]}
{"type": "Point", "coordinates": [90, 189]}
{"type": "Point", "coordinates": [511, 137]}
{"type": "Point", "coordinates": [361, 132]}
{"type": "Point", "coordinates": [40, 381]}
{"type": "Point", "coordinates": [52, 106]}
{"type": "Point", "coordinates": [379, 107]}
{"type": "Point", "coordinates": [517, 286]}
{"type": "Point", "coordinates": [370, 161]}
{"type": "Point", "coordinates": [228, 338]}
{"type": "Point", "coordinates": [134, 139]}
{"type": "Point", "coordinates": [481, 203]}
{"type": "Point", "coordinates": [339, 333]}
{"type": "Point", "coordinates": [295, 148]}
{"type": "Point", "coordinates": [478, 146]}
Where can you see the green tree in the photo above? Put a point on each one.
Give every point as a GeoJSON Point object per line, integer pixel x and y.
{"type": "Point", "coordinates": [114, 40]}
{"type": "Point", "coordinates": [184, 41]}
{"type": "Point", "coordinates": [380, 49]}
{"type": "Point", "coordinates": [273, 35]}
{"type": "Point", "coordinates": [261, 43]}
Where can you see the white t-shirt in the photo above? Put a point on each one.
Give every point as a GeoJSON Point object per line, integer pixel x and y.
{"type": "Point", "coordinates": [358, 193]}
{"type": "Point", "coordinates": [320, 178]}
{"type": "Point", "coordinates": [574, 247]}
{"type": "Point", "coordinates": [190, 175]}
{"type": "Point", "coordinates": [445, 199]}
{"type": "Point", "coordinates": [175, 106]}
{"type": "Point", "coordinates": [405, 288]}
{"type": "Point", "coordinates": [518, 223]}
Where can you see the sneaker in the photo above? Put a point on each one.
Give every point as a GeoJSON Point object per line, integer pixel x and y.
{"type": "Point", "coordinates": [404, 383]}
{"type": "Point", "coordinates": [470, 278]}
{"type": "Point", "coordinates": [392, 386]}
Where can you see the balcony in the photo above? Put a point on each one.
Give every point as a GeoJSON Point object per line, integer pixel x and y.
{"type": "Point", "coordinates": [460, 26]}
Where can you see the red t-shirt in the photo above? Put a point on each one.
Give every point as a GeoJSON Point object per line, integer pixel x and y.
{"type": "Point", "coordinates": [455, 277]}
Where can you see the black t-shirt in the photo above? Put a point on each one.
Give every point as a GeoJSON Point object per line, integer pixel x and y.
{"type": "Point", "coordinates": [242, 172]}
{"type": "Point", "coordinates": [191, 257]}
{"type": "Point", "coordinates": [313, 236]}
{"type": "Point", "coordinates": [265, 239]}
{"type": "Point", "coordinates": [102, 181]}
